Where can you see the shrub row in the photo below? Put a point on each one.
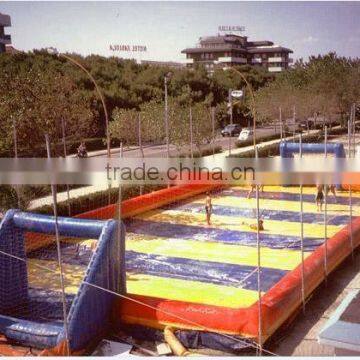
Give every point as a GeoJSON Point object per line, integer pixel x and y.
{"type": "Point", "coordinates": [204, 152]}
{"type": "Point", "coordinates": [274, 150]}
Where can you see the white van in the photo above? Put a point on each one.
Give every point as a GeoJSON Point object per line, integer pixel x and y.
{"type": "Point", "coordinates": [246, 134]}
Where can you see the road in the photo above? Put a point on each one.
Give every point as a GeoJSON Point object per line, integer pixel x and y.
{"type": "Point", "coordinates": [161, 150]}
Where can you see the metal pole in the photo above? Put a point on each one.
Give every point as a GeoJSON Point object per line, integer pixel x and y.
{"type": "Point", "coordinates": [325, 215]}
{"type": "Point", "coordinates": [139, 136]}
{"type": "Point", "coordinates": [213, 128]}
{"type": "Point", "coordinates": [140, 146]}
{"type": "Point", "coordinates": [65, 155]}
{"type": "Point", "coordinates": [191, 135]}
{"type": "Point", "coordinates": [354, 130]}
{"type": "Point", "coordinates": [258, 270]}
{"type": "Point", "coordinates": [231, 117]}
{"type": "Point", "coordinates": [166, 118]}
{"type": "Point", "coordinates": [58, 247]}
{"type": "Point", "coordinates": [349, 138]}
{"type": "Point", "coordinates": [17, 190]}
{"type": "Point", "coordinates": [281, 124]}
{"type": "Point", "coordinates": [101, 98]}
{"type": "Point", "coordinates": [253, 108]}
{"type": "Point", "coordinates": [350, 225]}
{"type": "Point", "coordinates": [350, 192]}
{"type": "Point", "coordinates": [119, 204]}
{"type": "Point", "coordinates": [302, 236]}
{"type": "Point", "coordinates": [294, 114]}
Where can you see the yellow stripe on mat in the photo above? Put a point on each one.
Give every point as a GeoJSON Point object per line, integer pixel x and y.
{"type": "Point", "coordinates": [307, 190]}
{"type": "Point", "coordinates": [237, 223]}
{"type": "Point", "coordinates": [278, 205]}
{"type": "Point", "coordinates": [190, 291]}
{"type": "Point", "coordinates": [40, 277]}
{"type": "Point", "coordinates": [217, 252]}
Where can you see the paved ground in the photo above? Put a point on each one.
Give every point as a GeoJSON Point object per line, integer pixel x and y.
{"type": "Point", "coordinates": [161, 150]}
{"type": "Point", "coordinates": [152, 151]}
{"type": "Point", "coordinates": [300, 339]}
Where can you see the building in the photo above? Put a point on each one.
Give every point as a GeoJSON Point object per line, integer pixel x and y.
{"type": "Point", "coordinates": [226, 50]}
{"type": "Point", "coordinates": [4, 38]}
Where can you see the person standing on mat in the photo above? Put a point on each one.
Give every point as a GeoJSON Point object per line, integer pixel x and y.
{"type": "Point", "coordinates": [253, 187]}
{"type": "Point", "coordinates": [331, 188]}
{"type": "Point", "coordinates": [208, 208]}
{"type": "Point", "coordinates": [319, 197]}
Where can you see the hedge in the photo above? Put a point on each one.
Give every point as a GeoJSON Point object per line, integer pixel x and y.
{"type": "Point", "coordinates": [274, 150]}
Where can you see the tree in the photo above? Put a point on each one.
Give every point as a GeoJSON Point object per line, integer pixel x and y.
{"type": "Point", "coordinates": [324, 85]}
{"type": "Point", "coordinates": [36, 102]}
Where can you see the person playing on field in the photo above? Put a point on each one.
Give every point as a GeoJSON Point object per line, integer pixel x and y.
{"type": "Point", "coordinates": [253, 188]}
{"type": "Point", "coordinates": [208, 208]}
{"type": "Point", "coordinates": [331, 188]}
{"type": "Point", "coordinates": [319, 197]}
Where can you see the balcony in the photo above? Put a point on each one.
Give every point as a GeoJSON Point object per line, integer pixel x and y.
{"type": "Point", "coordinates": [275, 68]}
{"type": "Point", "coordinates": [276, 59]}
{"type": "Point", "coordinates": [188, 61]}
{"type": "Point", "coordinates": [230, 59]}
{"type": "Point", "coordinates": [5, 39]}
{"type": "Point", "coordinates": [256, 60]}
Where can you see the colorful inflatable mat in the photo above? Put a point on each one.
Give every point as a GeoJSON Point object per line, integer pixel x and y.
{"type": "Point", "coordinates": [184, 273]}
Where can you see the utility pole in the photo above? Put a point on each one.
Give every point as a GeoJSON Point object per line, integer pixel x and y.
{"type": "Point", "coordinates": [231, 116]}
{"type": "Point", "coordinates": [166, 78]}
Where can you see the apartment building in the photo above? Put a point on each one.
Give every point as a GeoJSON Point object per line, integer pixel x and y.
{"type": "Point", "coordinates": [4, 38]}
{"type": "Point", "coordinates": [226, 50]}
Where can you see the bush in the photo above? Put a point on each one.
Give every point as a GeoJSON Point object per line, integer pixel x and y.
{"type": "Point", "coordinates": [274, 150]}
{"type": "Point", "coordinates": [205, 152]}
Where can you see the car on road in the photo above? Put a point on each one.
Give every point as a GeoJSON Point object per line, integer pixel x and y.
{"type": "Point", "coordinates": [231, 130]}
{"type": "Point", "coordinates": [305, 124]}
{"type": "Point", "coordinates": [246, 134]}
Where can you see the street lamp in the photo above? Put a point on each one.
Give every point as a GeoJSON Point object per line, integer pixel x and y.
{"type": "Point", "coordinates": [253, 110]}
{"type": "Point", "coordinates": [166, 79]}
{"type": "Point", "coordinates": [54, 51]}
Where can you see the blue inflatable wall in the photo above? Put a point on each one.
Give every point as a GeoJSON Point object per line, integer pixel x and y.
{"type": "Point", "coordinates": [89, 315]}
{"type": "Point", "coordinates": [287, 150]}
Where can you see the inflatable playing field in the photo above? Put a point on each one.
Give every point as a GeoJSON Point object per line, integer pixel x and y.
{"type": "Point", "coordinates": [184, 273]}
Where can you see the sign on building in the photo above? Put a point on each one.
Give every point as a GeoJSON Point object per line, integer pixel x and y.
{"type": "Point", "coordinates": [231, 28]}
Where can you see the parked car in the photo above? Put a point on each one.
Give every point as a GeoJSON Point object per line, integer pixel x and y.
{"type": "Point", "coordinates": [231, 130]}
{"type": "Point", "coordinates": [303, 125]}
{"type": "Point", "coordinates": [246, 134]}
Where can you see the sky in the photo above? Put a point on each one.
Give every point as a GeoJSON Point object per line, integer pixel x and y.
{"type": "Point", "coordinates": [166, 28]}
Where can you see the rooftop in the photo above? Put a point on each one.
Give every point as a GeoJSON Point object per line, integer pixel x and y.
{"type": "Point", "coordinates": [5, 20]}
{"type": "Point", "coordinates": [220, 43]}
